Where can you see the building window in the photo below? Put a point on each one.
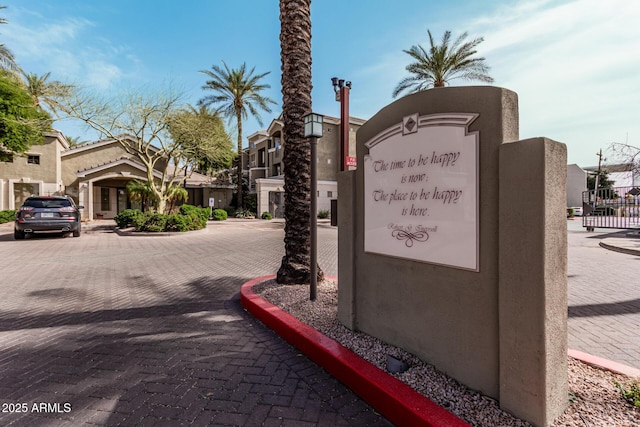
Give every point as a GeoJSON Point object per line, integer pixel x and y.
{"type": "Point", "coordinates": [105, 201]}
{"type": "Point", "coordinates": [33, 159]}
{"type": "Point", "coordinates": [329, 193]}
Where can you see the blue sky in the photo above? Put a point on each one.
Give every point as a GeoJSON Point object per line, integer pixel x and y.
{"type": "Point", "coordinates": [574, 64]}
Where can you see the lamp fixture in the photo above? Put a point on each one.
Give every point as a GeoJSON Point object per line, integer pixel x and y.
{"type": "Point", "coordinates": [313, 125]}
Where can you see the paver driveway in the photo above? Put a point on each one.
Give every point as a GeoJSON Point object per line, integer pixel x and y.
{"type": "Point", "coordinates": [604, 297]}
{"type": "Point", "coordinates": [149, 330]}
{"type": "Point", "coordinates": [113, 330]}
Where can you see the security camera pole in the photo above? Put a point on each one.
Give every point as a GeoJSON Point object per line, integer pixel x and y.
{"type": "Point", "coordinates": [342, 89]}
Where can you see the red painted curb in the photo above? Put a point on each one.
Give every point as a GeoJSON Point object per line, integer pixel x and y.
{"type": "Point", "coordinates": [609, 365]}
{"type": "Point", "coordinates": [398, 402]}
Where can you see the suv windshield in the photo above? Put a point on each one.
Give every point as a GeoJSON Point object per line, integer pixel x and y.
{"type": "Point", "coordinates": [47, 203]}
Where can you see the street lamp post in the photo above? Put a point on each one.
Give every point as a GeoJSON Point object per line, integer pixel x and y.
{"type": "Point", "coordinates": [342, 89]}
{"type": "Point", "coordinates": [313, 130]}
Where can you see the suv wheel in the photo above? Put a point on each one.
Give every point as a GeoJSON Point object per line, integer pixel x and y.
{"type": "Point", "coordinates": [17, 234]}
{"type": "Point", "coordinates": [76, 233]}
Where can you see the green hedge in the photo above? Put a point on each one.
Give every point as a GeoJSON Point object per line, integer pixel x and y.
{"type": "Point", "coordinates": [219, 215]}
{"type": "Point", "coordinates": [126, 218]}
{"type": "Point", "coordinates": [189, 218]}
{"type": "Point", "coordinates": [7, 216]}
{"type": "Point", "coordinates": [266, 215]}
{"type": "Point", "coordinates": [202, 213]}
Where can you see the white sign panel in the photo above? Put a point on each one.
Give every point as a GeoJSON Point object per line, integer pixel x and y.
{"type": "Point", "coordinates": [212, 202]}
{"type": "Point", "coordinates": [421, 191]}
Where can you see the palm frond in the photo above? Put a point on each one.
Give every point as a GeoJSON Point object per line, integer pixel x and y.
{"type": "Point", "coordinates": [441, 63]}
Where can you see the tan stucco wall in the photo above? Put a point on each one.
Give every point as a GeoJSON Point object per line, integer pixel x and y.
{"type": "Point", "coordinates": [80, 159]}
{"type": "Point", "coordinates": [45, 177]}
{"type": "Point", "coordinates": [45, 171]}
{"type": "Point", "coordinates": [533, 280]}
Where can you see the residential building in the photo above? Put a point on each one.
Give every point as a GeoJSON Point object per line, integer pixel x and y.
{"type": "Point", "coordinates": [264, 166]}
{"type": "Point", "coordinates": [576, 184]}
{"type": "Point", "coordinates": [94, 174]}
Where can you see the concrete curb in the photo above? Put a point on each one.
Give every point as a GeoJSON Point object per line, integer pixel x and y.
{"type": "Point", "coordinates": [606, 364]}
{"type": "Point", "coordinates": [392, 398]}
{"type": "Point", "coordinates": [618, 248]}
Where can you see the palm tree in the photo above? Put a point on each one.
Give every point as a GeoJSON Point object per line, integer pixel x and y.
{"type": "Point", "coordinates": [295, 44]}
{"type": "Point", "coordinates": [7, 60]}
{"type": "Point", "coordinates": [140, 191]}
{"type": "Point", "coordinates": [45, 92]}
{"type": "Point", "coordinates": [443, 63]}
{"type": "Point", "coordinates": [237, 92]}
{"type": "Point", "coordinates": [176, 193]}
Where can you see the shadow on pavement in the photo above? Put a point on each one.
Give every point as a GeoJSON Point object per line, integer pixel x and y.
{"type": "Point", "coordinates": [198, 360]}
{"type": "Point", "coordinates": [605, 309]}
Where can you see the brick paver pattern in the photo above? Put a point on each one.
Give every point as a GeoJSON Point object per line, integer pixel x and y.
{"type": "Point", "coordinates": [139, 331]}
{"type": "Point", "coordinates": [604, 297]}
{"type": "Point", "coordinates": [149, 330]}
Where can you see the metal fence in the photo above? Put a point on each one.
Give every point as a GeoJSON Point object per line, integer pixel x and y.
{"type": "Point", "coordinates": [617, 207]}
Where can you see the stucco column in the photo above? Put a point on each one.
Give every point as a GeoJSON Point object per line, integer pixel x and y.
{"type": "Point", "coordinates": [533, 279]}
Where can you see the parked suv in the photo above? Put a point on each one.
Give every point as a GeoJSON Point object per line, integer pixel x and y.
{"type": "Point", "coordinates": [47, 213]}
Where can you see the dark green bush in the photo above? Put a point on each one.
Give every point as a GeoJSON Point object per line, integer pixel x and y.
{"type": "Point", "coordinates": [231, 211]}
{"type": "Point", "coordinates": [323, 214]}
{"type": "Point", "coordinates": [139, 221]}
{"type": "Point", "coordinates": [7, 216]}
{"type": "Point", "coordinates": [189, 218]}
{"type": "Point", "coordinates": [219, 215]}
{"type": "Point", "coordinates": [154, 222]}
{"type": "Point", "coordinates": [251, 203]}
{"type": "Point", "coordinates": [126, 218]}
{"type": "Point", "coordinates": [178, 222]}
{"type": "Point", "coordinates": [202, 213]}
{"type": "Point", "coordinates": [266, 215]}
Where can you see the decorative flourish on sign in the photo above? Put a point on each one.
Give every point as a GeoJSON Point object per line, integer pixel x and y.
{"type": "Point", "coordinates": [409, 237]}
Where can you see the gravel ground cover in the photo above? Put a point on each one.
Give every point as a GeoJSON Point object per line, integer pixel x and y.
{"type": "Point", "coordinates": [593, 396]}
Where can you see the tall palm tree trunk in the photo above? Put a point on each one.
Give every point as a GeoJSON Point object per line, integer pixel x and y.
{"type": "Point", "coordinates": [239, 177]}
{"type": "Point", "coordinates": [295, 44]}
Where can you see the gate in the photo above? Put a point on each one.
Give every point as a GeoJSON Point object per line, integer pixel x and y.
{"type": "Point", "coordinates": [617, 207]}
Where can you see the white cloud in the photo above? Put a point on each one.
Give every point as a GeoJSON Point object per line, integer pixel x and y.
{"type": "Point", "coordinates": [574, 67]}
{"type": "Point", "coordinates": [69, 49]}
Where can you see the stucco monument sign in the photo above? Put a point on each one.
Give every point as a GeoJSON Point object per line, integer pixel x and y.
{"type": "Point", "coordinates": [421, 191]}
{"type": "Point", "coordinates": [434, 260]}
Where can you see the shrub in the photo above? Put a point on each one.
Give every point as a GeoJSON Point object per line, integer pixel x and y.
{"type": "Point", "coordinates": [139, 221]}
{"type": "Point", "coordinates": [231, 211]}
{"type": "Point", "coordinates": [219, 215]}
{"type": "Point", "coordinates": [202, 214]}
{"type": "Point", "coordinates": [154, 222]}
{"type": "Point", "coordinates": [323, 214]}
{"type": "Point", "coordinates": [126, 218]}
{"type": "Point", "coordinates": [245, 214]}
{"type": "Point", "coordinates": [570, 213]}
{"type": "Point", "coordinates": [7, 216]}
{"type": "Point", "coordinates": [632, 394]}
{"type": "Point", "coordinates": [266, 215]}
{"type": "Point", "coordinates": [251, 203]}
{"type": "Point", "coordinates": [178, 222]}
